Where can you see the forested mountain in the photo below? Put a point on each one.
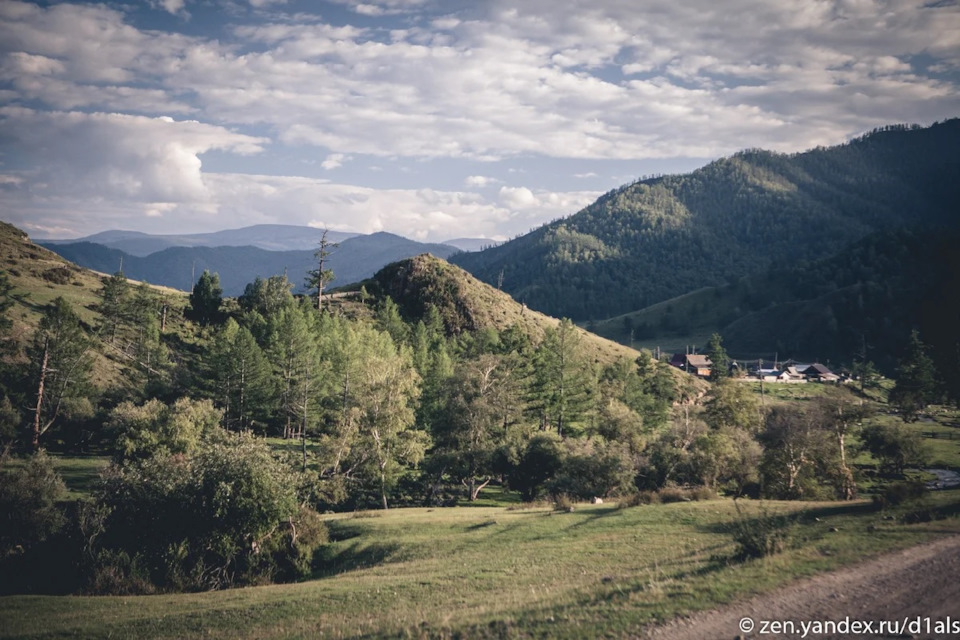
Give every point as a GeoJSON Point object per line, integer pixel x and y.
{"type": "Point", "coordinates": [866, 298]}
{"type": "Point", "coordinates": [272, 237]}
{"type": "Point", "coordinates": [356, 258]}
{"type": "Point", "coordinates": [662, 237]}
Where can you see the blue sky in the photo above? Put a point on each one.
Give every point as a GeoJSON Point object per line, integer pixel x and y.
{"type": "Point", "coordinates": [428, 118]}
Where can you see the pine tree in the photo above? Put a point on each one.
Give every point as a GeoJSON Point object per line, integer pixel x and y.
{"type": "Point", "coordinates": [114, 299]}
{"type": "Point", "coordinates": [321, 276]}
{"type": "Point", "coordinates": [206, 298]}
{"type": "Point", "coordinates": [564, 382]}
{"type": "Point", "coordinates": [241, 375]}
{"type": "Point", "coordinates": [916, 383]}
{"type": "Point", "coordinates": [718, 356]}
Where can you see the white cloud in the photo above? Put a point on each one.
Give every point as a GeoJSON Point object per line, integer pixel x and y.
{"type": "Point", "coordinates": [171, 6]}
{"type": "Point", "coordinates": [518, 198]}
{"type": "Point", "coordinates": [333, 161]}
{"type": "Point", "coordinates": [501, 79]}
{"type": "Point", "coordinates": [480, 181]}
{"type": "Point", "coordinates": [114, 155]}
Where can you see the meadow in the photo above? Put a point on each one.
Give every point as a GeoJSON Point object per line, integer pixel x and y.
{"type": "Point", "coordinates": [501, 571]}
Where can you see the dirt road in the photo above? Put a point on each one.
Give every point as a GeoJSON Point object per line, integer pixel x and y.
{"type": "Point", "coordinates": [922, 581]}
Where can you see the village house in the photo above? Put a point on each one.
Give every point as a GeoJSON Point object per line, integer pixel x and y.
{"type": "Point", "coordinates": [820, 373]}
{"type": "Point", "coordinates": [695, 363]}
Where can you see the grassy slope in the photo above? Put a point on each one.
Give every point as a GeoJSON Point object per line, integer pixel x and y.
{"type": "Point", "coordinates": [491, 571]}
{"type": "Point", "coordinates": [43, 276]}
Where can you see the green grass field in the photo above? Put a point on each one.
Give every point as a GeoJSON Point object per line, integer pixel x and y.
{"type": "Point", "coordinates": [495, 571]}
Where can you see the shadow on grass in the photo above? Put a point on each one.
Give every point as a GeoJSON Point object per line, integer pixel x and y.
{"type": "Point", "coordinates": [333, 559]}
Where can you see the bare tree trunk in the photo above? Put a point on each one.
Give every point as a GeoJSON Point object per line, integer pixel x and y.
{"type": "Point", "coordinates": [35, 441]}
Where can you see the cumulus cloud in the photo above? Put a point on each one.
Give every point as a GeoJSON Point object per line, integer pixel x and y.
{"type": "Point", "coordinates": [114, 155]}
{"type": "Point", "coordinates": [485, 81]}
{"type": "Point", "coordinates": [333, 161]}
{"type": "Point", "coordinates": [480, 181]}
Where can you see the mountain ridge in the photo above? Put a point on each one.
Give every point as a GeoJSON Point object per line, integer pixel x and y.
{"type": "Point", "coordinates": [657, 238]}
{"type": "Point", "coordinates": [355, 259]}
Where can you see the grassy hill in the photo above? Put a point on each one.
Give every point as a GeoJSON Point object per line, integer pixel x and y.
{"type": "Point", "coordinates": [663, 237]}
{"type": "Point", "coordinates": [39, 276]}
{"type": "Point", "coordinates": [467, 304]}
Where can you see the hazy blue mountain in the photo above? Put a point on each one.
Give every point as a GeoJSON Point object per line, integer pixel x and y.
{"type": "Point", "coordinates": [355, 259]}
{"type": "Point", "coordinates": [272, 237]}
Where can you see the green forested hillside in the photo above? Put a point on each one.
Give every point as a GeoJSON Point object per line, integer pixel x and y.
{"type": "Point", "coordinates": [870, 296]}
{"type": "Point", "coordinates": [663, 237]}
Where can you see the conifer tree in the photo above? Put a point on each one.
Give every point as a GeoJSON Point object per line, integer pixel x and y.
{"type": "Point", "coordinates": [206, 298]}
{"type": "Point", "coordinates": [916, 380]}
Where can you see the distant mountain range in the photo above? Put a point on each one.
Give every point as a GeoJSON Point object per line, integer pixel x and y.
{"type": "Point", "coordinates": [271, 237]}
{"type": "Point", "coordinates": [358, 257]}
{"type": "Point", "coordinates": [660, 238]}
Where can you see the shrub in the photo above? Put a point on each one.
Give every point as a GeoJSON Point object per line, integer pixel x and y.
{"type": "Point", "coordinates": [143, 430]}
{"type": "Point", "coordinates": [764, 535]}
{"type": "Point", "coordinates": [637, 498]}
{"type": "Point", "coordinates": [563, 502]}
{"type": "Point", "coordinates": [673, 494]}
{"type": "Point", "coordinates": [29, 513]}
{"type": "Point", "coordinates": [897, 493]}
{"type": "Point", "coordinates": [226, 515]}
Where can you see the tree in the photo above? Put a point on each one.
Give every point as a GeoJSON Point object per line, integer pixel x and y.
{"type": "Point", "coordinates": [916, 384]}
{"type": "Point", "coordinates": [475, 423]}
{"type": "Point", "coordinates": [59, 366]}
{"type": "Point", "coordinates": [797, 453]}
{"type": "Point", "coordinates": [266, 297]}
{"type": "Point", "coordinates": [144, 313]}
{"type": "Point", "coordinates": [564, 383]}
{"type": "Point", "coordinates": [389, 385]}
{"type": "Point", "coordinates": [114, 301]}
{"type": "Point", "coordinates": [375, 388]}
{"type": "Point", "coordinates": [206, 298]}
{"type": "Point", "coordinates": [294, 354]}
{"type": "Point", "coordinates": [894, 447]}
{"type": "Point", "coordinates": [719, 358]}
{"type": "Point", "coordinates": [322, 275]}
{"type": "Point", "coordinates": [241, 375]}
{"type": "Point", "coordinates": [839, 417]}
{"type": "Point", "coordinates": [731, 404]}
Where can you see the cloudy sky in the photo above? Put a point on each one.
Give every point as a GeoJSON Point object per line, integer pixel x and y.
{"type": "Point", "coordinates": [433, 119]}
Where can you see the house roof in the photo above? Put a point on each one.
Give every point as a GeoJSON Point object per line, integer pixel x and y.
{"type": "Point", "coordinates": [817, 369]}
{"type": "Point", "coordinates": [698, 360]}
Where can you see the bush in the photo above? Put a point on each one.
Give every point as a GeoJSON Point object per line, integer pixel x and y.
{"type": "Point", "coordinates": [141, 431]}
{"type": "Point", "coordinates": [897, 493]}
{"type": "Point", "coordinates": [590, 471]}
{"type": "Point", "coordinates": [563, 502]}
{"type": "Point", "coordinates": [673, 494]}
{"type": "Point", "coordinates": [226, 515]}
{"type": "Point", "coordinates": [637, 498]}
{"type": "Point", "coordinates": [765, 535]}
{"type": "Point", "coordinates": [29, 513]}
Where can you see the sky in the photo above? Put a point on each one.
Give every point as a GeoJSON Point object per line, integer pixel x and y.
{"type": "Point", "coordinates": [433, 119]}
